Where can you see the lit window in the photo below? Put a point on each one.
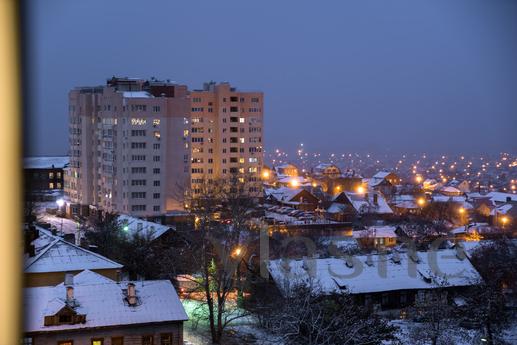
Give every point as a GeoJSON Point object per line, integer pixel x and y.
{"type": "Point", "coordinates": [241, 140]}
{"type": "Point", "coordinates": [157, 134]}
{"type": "Point", "coordinates": [156, 122]}
{"type": "Point", "coordinates": [98, 341]}
{"type": "Point", "coordinates": [241, 160]}
{"type": "Point", "coordinates": [51, 185]}
{"type": "Point", "coordinates": [138, 122]}
{"type": "Point", "coordinates": [241, 119]}
{"type": "Point", "coordinates": [50, 175]}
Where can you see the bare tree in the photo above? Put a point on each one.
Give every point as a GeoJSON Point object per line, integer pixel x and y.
{"type": "Point", "coordinates": [222, 210]}
{"type": "Point", "coordinates": [436, 316]}
{"type": "Point", "coordinates": [308, 318]}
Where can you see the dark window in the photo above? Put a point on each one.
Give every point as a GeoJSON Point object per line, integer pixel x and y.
{"type": "Point", "coordinates": [65, 318]}
{"type": "Point", "coordinates": [166, 339]}
{"type": "Point", "coordinates": [117, 341]}
{"type": "Point", "coordinates": [147, 340]}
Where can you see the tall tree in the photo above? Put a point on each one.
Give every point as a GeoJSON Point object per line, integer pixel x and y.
{"type": "Point", "coordinates": [223, 214]}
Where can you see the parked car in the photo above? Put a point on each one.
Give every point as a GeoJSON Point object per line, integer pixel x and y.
{"type": "Point", "coordinates": [294, 213]}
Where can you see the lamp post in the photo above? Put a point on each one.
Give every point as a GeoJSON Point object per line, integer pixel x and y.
{"type": "Point", "coordinates": [60, 203]}
{"type": "Point", "coordinates": [237, 254]}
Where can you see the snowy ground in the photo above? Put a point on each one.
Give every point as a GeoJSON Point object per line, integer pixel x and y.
{"type": "Point", "coordinates": [240, 331]}
{"type": "Point", "coordinates": [46, 212]}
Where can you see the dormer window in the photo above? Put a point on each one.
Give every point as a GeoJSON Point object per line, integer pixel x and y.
{"type": "Point", "coordinates": [65, 316]}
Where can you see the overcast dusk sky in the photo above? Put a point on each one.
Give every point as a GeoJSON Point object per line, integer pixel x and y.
{"type": "Point", "coordinates": [338, 75]}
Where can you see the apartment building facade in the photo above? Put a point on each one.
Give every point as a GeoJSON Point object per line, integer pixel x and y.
{"type": "Point", "coordinates": [226, 137]}
{"type": "Point", "coordinates": [144, 147]}
{"type": "Point", "coordinates": [129, 147]}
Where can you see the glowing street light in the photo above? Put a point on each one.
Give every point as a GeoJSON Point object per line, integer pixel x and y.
{"type": "Point", "coordinates": [360, 189]}
{"type": "Point", "coordinates": [461, 210]}
{"type": "Point", "coordinates": [265, 174]}
{"type": "Point", "coordinates": [237, 251]}
{"type": "Point", "coordinates": [421, 202]}
{"type": "Point", "coordinates": [294, 183]}
{"type": "Point", "coordinates": [60, 203]}
{"type": "Point", "coordinates": [418, 179]}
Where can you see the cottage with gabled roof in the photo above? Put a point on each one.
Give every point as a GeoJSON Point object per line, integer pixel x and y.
{"type": "Point", "coordinates": [89, 308]}
{"type": "Point", "coordinates": [384, 281]}
{"type": "Point", "coordinates": [48, 258]}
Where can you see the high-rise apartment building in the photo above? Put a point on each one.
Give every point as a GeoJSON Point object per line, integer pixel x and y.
{"type": "Point", "coordinates": [129, 147]}
{"type": "Point", "coordinates": [226, 136]}
{"type": "Point", "coordinates": [144, 147]}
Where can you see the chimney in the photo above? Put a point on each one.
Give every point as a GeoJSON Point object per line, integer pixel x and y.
{"type": "Point", "coordinates": [131, 294]}
{"type": "Point", "coordinates": [69, 294]}
{"type": "Point", "coordinates": [119, 276]}
{"type": "Point", "coordinates": [366, 196]}
{"type": "Point", "coordinates": [375, 199]}
{"type": "Point", "coordinates": [508, 199]}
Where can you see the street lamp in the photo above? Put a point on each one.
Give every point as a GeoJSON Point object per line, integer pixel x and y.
{"type": "Point", "coordinates": [294, 182]}
{"type": "Point", "coordinates": [421, 202]}
{"type": "Point", "coordinates": [504, 220]}
{"type": "Point", "coordinates": [60, 203]}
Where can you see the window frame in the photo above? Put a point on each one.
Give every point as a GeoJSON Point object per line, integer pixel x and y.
{"type": "Point", "coordinates": [97, 339]}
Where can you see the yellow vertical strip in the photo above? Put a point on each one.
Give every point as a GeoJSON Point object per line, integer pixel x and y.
{"type": "Point", "coordinates": [10, 176]}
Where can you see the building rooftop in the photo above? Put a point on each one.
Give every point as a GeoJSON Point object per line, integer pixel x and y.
{"type": "Point", "coordinates": [53, 254]}
{"type": "Point", "coordinates": [360, 274]}
{"type": "Point", "coordinates": [45, 162]}
{"type": "Point", "coordinates": [103, 302]}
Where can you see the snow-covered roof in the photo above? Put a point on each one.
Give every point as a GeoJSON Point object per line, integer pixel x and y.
{"type": "Point", "coordinates": [320, 168]}
{"type": "Point", "coordinates": [450, 189]}
{"type": "Point", "coordinates": [501, 197]}
{"type": "Point", "coordinates": [443, 268]}
{"type": "Point", "coordinates": [283, 194]}
{"type": "Point", "coordinates": [446, 198]}
{"type": "Point", "coordinates": [408, 204]}
{"type": "Point", "coordinates": [289, 179]}
{"type": "Point", "coordinates": [143, 227]}
{"type": "Point", "coordinates": [53, 254]}
{"type": "Point", "coordinates": [45, 162]}
{"type": "Point", "coordinates": [364, 203]}
{"type": "Point", "coordinates": [503, 209]}
{"type": "Point", "coordinates": [381, 174]}
{"type": "Point", "coordinates": [336, 207]}
{"type": "Point", "coordinates": [103, 302]}
{"type": "Point", "coordinates": [136, 94]}
{"type": "Point", "coordinates": [376, 232]}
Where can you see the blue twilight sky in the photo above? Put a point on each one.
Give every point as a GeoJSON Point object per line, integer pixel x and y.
{"type": "Point", "coordinates": [338, 75]}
